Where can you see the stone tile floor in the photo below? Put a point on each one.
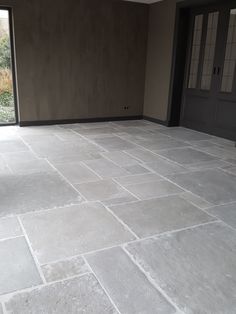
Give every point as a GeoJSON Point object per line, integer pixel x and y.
{"type": "Point", "coordinates": [118, 217]}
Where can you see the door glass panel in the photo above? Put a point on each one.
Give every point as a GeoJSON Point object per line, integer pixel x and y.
{"type": "Point", "coordinates": [230, 55]}
{"type": "Point", "coordinates": [196, 45]}
{"type": "Point", "coordinates": [209, 53]}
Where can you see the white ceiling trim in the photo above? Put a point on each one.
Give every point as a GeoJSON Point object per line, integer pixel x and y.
{"type": "Point", "coordinates": [144, 1]}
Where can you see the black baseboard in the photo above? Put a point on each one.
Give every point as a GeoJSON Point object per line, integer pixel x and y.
{"type": "Point", "coordinates": [71, 121]}
{"type": "Point", "coordinates": [90, 120]}
{"type": "Point", "coordinates": [165, 123]}
{"type": "Point", "coordinates": [7, 124]}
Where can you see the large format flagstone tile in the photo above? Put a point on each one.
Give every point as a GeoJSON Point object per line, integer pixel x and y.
{"type": "Point", "coordinates": [140, 178]}
{"type": "Point", "coordinates": [186, 134]}
{"type": "Point", "coordinates": [126, 284]}
{"type": "Point", "coordinates": [195, 267]}
{"type": "Point", "coordinates": [17, 157]}
{"type": "Point", "coordinates": [18, 270]}
{"type": "Point", "coordinates": [76, 172]}
{"type": "Point", "coordinates": [159, 215]}
{"type": "Point", "coordinates": [96, 132]}
{"type": "Point", "coordinates": [9, 228]}
{"type": "Point", "coordinates": [79, 295]}
{"type": "Point", "coordinates": [104, 190]}
{"type": "Point", "coordinates": [120, 158]}
{"type": "Point", "coordinates": [30, 167]}
{"type": "Point", "coordinates": [215, 186]}
{"type": "Point", "coordinates": [174, 185]}
{"type": "Point", "coordinates": [143, 155]}
{"type": "Point", "coordinates": [65, 269]}
{"type": "Point", "coordinates": [70, 231]}
{"type": "Point", "coordinates": [24, 193]}
{"type": "Point", "coordinates": [159, 188]}
{"type": "Point", "coordinates": [106, 168]}
{"type": "Point", "coordinates": [226, 213]}
{"type": "Point", "coordinates": [13, 145]}
{"type": "Point", "coordinates": [186, 156]}
{"type": "Point", "coordinates": [113, 143]}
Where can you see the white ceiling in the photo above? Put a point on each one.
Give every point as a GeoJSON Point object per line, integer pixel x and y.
{"type": "Point", "coordinates": [144, 1]}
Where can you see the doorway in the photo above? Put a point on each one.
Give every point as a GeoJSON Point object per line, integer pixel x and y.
{"type": "Point", "coordinates": [8, 109]}
{"type": "Point", "coordinates": [206, 54]}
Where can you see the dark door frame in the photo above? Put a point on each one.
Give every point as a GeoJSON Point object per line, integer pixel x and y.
{"type": "Point", "coordinates": [13, 64]}
{"type": "Point", "coordinates": [179, 59]}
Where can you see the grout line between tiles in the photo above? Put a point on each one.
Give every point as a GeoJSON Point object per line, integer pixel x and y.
{"type": "Point", "coordinates": [153, 283]}
{"type": "Point", "coordinates": [121, 222]}
{"type": "Point", "coordinates": [138, 198]}
{"type": "Point", "coordinates": [184, 189]}
{"type": "Point", "coordinates": [228, 170]}
{"type": "Point", "coordinates": [225, 151]}
{"type": "Point", "coordinates": [194, 203]}
{"type": "Point", "coordinates": [32, 252]}
{"type": "Point", "coordinates": [6, 297]}
{"type": "Point", "coordinates": [62, 176]}
{"type": "Point", "coordinates": [139, 175]}
{"type": "Point", "coordinates": [98, 175]}
{"type": "Point", "coordinates": [9, 168]}
{"type": "Point", "coordinates": [91, 141]}
{"type": "Point", "coordinates": [12, 238]}
{"type": "Point", "coordinates": [150, 151]}
{"type": "Point", "coordinates": [184, 171]}
{"type": "Point", "coordinates": [29, 146]}
{"type": "Point", "coordinates": [104, 289]}
{"type": "Point", "coordinates": [62, 260]}
{"type": "Point", "coordinates": [118, 204]}
{"type": "Point", "coordinates": [58, 135]}
{"type": "Point", "coordinates": [166, 233]}
{"type": "Point", "coordinates": [197, 149]}
{"type": "Point", "coordinates": [223, 204]}
{"type": "Point", "coordinates": [40, 211]}
{"type": "Point", "coordinates": [217, 218]}
{"type": "Point", "coordinates": [82, 195]}
{"type": "Point", "coordinates": [132, 156]}
{"type": "Point", "coordinates": [121, 166]}
{"type": "Point", "coordinates": [48, 283]}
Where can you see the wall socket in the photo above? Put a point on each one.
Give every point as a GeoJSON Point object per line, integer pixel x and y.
{"type": "Point", "coordinates": [126, 107]}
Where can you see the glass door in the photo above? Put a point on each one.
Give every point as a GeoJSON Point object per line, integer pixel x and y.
{"type": "Point", "coordinates": [7, 100]}
{"type": "Point", "coordinates": [209, 100]}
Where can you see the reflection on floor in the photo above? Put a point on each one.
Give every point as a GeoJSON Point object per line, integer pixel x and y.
{"type": "Point", "coordinates": [116, 217]}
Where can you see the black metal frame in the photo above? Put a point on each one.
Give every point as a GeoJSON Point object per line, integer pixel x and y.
{"type": "Point", "coordinates": [13, 64]}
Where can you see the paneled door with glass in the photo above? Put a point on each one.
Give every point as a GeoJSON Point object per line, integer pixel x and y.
{"type": "Point", "coordinates": [209, 98]}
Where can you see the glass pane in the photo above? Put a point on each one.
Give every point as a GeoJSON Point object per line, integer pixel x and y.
{"type": "Point", "coordinates": [209, 53]}
{"type": "Point", "coordinates": [230, 55]}
{"type": "Point", "coordinates": [197, 36]}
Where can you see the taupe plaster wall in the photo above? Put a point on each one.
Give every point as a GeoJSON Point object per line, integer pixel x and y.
{"type": "Point", "coordinates": [79, 58]}
{"type": "Point", "coordinates": [159, 58]}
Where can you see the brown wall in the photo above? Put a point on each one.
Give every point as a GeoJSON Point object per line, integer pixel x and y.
{"type": "Point", "coordinates": [79, 58]}
{"type": "Point", "coordinates": [159, 58]}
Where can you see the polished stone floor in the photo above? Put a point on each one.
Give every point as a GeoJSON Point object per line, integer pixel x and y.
{"type": "Point", "coordinates": [123, 217]}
